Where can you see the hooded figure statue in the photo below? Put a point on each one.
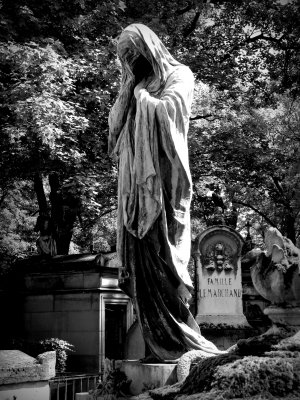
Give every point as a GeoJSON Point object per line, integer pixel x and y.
{"type": "Point", "coordinates": [148, 134]}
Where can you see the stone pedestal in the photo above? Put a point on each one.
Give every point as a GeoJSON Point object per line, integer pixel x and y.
{"type": "Point", "coordinates": [217, 254]}
{"type": "Point", "coordinates": [289, 316]}
{"type": "Point", "coordinates": [148, 376]}
{"type": "Point", "coordinates": [83, 396]}
{"type": "Point", "coordinates": [224, 338]}
{"type": "Point", "coordinates": [275, 275]}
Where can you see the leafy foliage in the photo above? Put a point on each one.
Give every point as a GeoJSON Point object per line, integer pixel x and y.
{"type": "Point", "coordinates": [61, 347]}
{"type": "Point", "coordinates": [56, 92]}
{"type": "Point", "coordinates": [262, 173]}
{"type": "Point", "coordinates": [59, 77]}
{"type": "Point", "coordinates": [36, 347]}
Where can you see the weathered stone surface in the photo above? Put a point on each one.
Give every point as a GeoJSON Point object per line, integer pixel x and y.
{"type": "Point", "coordinates": [143, 396]}
{"type": "Point", "coordinates": [282, 251]}
{"type": "Point", "coordinates": [48, 360]}
{"type": "Point", "coordinates": [17, 367]}
{"type": "Point", "coordinates": [109, 260]}
{"type": "Point", "coordinates": [268, 375]}
{"type": "Point", "coordinates": [275, 272]}
{"type": "Point", "coordinates": [265, 367]}
{"type": "Point", "coordinates": [15, 359]}
{"type": "Point", "coordinates": [166, 393]}
{"type": "Point", "coordinates": [185, 361]}
{"type": "Point", "coordinates": [217, 253]}
{"type": "Point", "coordinates": [272, 371]}
{"type": "Point", "coordinates": [291, 343]}
{"type": "Point", "coordinates": [37, 390]}
{"type": "Point", "coordinates": [148, 376]}
{"type": "Point", "coordinates": [257, 345]}
{"type": "Point", "coordinates": [258, 375]}
{"type": "Point", "coordinates": [200, 377]}
{"type": "Point", "coordinates": [275, 275]}
{"type": "Point", "coordinates": [211, 395]}
{"type": "Point", "coordinates": [134, 344]}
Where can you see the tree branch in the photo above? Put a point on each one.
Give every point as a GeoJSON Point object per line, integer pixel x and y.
{"type": "Point", "coordinates": [256, 210]}
{"type": "Point", "coordinates": [280, 190]}
{"type": "Point", "coordinates": [185, 9]}
{"type": "Point", "coordinates": [203, 117]}
{"type": "Point", "coordinates": [188, 30]}
{"type": "Point", "coordinates": [93, 221]}
{"type": "Point", "coordinates": [251, 40]}
{"type": "Point", "coordinates": [2, 198]}
{"type": "Point", "coordinates": [277, 185]}
{"type": "Point", "coordinates": [40, 194]}
{"type": "Point", "coordinates": [267, 38]}
{"type": "Point", "coordinates": [5, 191]}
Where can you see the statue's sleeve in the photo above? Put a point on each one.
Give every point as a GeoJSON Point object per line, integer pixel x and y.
{"type": "Point", "coordinates": [161, 164]}
{"type": "Point", "coordinates": [173, 112]}
{"type": "Point", "coordinates": [168, 118]}
{"type": "Point", "coordinates": [172, 115]}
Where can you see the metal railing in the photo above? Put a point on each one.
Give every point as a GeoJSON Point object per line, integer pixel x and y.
{"type": "Point", "coordinates": [66, 386]}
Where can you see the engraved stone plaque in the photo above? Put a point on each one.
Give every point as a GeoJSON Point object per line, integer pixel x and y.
{"type": "Point", "coordinates": [217, 255]}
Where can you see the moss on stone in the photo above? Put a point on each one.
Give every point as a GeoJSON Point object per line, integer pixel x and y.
{"type": "Point", "coordinates": [202, 374]}
{"type": "Point", "coordinates": [283, 354]}
{"type": "Point", "coordinates": [256, 375]}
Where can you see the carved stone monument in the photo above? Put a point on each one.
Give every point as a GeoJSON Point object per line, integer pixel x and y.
{"type": "Point", "coordinates": [148, 127]}
{"type": "Point", "coordinates": [275, 275]}
{"type": "Point", "coordinates": [217, 254]}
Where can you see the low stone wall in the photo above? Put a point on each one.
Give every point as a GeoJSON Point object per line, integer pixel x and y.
{"type": "Point", "coordinates": [24, 377]}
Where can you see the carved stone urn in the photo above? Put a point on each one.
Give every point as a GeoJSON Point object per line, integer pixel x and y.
{"type": "Point", "coordinates": [275, 275]}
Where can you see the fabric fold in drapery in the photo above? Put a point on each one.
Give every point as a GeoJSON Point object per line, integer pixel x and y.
{"type": "Point", "coordinates": [148, 134]}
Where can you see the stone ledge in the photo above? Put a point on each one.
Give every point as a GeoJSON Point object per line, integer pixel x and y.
{"type": "Point", "coordinates": [17, 367]}
{"type": "Point", "coordinates": [237, 321]}
{"type": "Point", "coordinates": [148, 376]}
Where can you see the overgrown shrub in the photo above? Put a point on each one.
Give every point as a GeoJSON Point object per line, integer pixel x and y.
{"type": "Point", "coordinates": [114, 386]}
{"type": "Point", "coordinates": [202, 374]}
{"type": "Point", "coordinates": [254, 375]}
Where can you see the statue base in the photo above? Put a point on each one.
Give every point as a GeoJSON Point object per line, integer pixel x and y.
{"type": "Point", "coordinates": [288, 316]}
{"type": "Point", "coordinates": [225, 330]}
{"type": "Point", "coordinates": [237, 321]}
{"type": "Point", "coordinates": [148, 376]}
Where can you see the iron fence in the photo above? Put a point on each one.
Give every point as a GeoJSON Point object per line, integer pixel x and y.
{"type": "Point", "coordinates": [66, 386]}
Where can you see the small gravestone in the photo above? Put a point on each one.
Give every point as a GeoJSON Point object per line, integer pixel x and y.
{"type": "Point", "coordinates": [217, 254]}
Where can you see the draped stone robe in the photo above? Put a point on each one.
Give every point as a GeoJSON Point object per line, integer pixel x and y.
{"type": "Point", "coordinates": [148, 133]}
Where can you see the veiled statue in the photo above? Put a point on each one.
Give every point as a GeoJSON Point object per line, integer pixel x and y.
{"type": "Point", "coordinates": [148, 134]}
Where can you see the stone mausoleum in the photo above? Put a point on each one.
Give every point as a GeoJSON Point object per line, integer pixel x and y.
{"type": "Point", "coordinates": [75, 298]}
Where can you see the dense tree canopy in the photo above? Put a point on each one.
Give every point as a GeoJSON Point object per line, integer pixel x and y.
{"type": "Point", "coordinates": [59, 76]}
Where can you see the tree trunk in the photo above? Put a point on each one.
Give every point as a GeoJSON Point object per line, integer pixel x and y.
{"type": "Point", "coordinates": [65, 207]}
{"type": "Point", "coordinates": [288, 226]}
{"type": "Point", "coordinates": [40, 194]}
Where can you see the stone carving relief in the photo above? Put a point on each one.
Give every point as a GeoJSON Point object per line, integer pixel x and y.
{"type": "Point", "coordinates": [219, 280]}
{"type": "Point", "coordinates": [218, 257]}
